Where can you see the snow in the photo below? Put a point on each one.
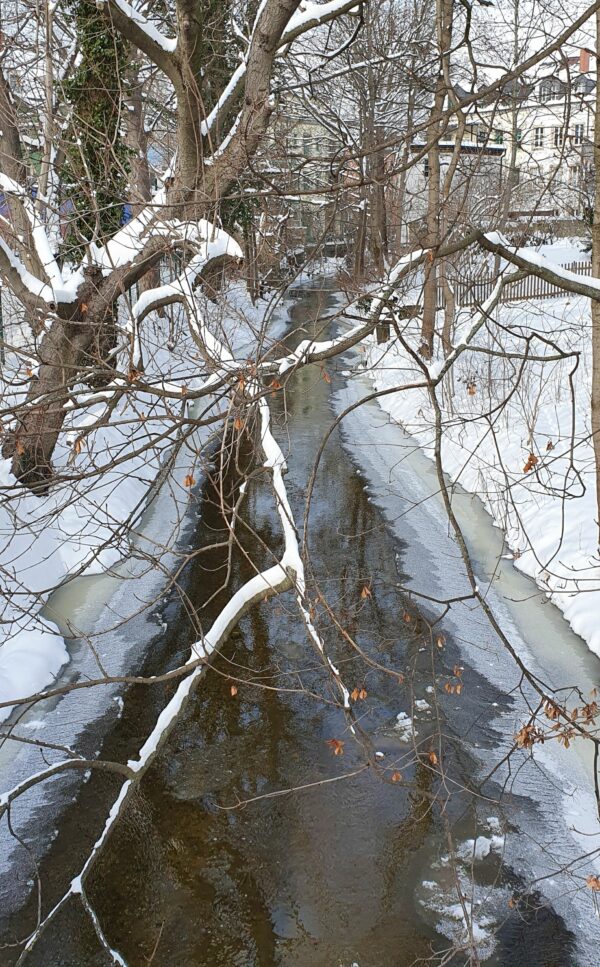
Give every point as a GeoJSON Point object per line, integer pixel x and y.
{"type": "Point", "coordinates": [216, 243]}
{"type": "Point", "coordinates": [404, 725]}
{"type": "Point", "coordinates": [478, 849]}
{"type": "Point", "coordinates": [483, 908]}
{"type": "Point", "coordinates": [73, 530]}
{"type": "Point", "coordinates": [127, 242]}
{"type": "Point", "coordinates": [538, 260]}
{"type": "Point", "coordinates": [34, 285]}
{"type": "Point", "coordinates": [29, 659]}
{"type": "Point", "coordinates": [230, 88]}
{"type": "Point", "coordinates": [548, 513]}
{"type": "Point", "coordinates": [168, 44]}
{"type": "Point", "coordinates": [312, 14]}
{"type": "Point", "coordinates": [564, 250]}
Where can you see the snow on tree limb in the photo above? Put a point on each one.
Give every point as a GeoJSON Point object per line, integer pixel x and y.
{"type": "Point", "coordinates": [136, 28]}
{"type": "Point", "coordinates": [168, 44]}
{"type": "Point", "coordinates": [216, 244]}
{"type": "Point", "coordinates": [538, 265]}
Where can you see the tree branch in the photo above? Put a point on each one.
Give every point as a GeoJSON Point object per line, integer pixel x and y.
{"type": "Point", "coordinates": [142, 34]}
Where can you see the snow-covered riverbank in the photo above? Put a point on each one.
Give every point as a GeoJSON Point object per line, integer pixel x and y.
{"type": "Point", "coordinates": [112, 546]}
{"type": "Point", "coordinates": [516, 433]}
{"type": "Point", "coordinates": [88, 528]}
{"type": "Point", "coordinates": [547, 800]}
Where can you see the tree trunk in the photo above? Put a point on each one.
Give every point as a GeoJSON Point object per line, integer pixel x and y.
{"type": "Point", "coordinates": [432, 241]}
{"type": "Point", "coordinates": [444, 14]}
{"type": "Point", "coordinates": [379, 230]}
{"type": "Point", "coordinates": [74, 349]}
{"type": "Point", "coordinates": [65, 350]}
{"type": "Point", "coordinates": [595, 302]}
{"type": "Point", "coordinates": [361, 239]}
{"type": "Point", "coordinates": [251, 261]}
{"type": "Point", "coordinates": [449, 309]}
{"type": "Point", "coordinates": [137, 140]}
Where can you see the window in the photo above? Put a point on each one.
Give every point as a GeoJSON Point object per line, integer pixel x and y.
{"type": "Point", "coordinates": [519, 136]}
{"type": "Point", "coordinates": [578, 137]}
{"type": "Point", "coordinates": [549, 91]}
{"type": "Point", "coordinates": [575, 176]}
{"type": "Point", "coordinates": [538, 137]}
{"type": "Point", "coordinates": [498, 136]}
{"type": "Point", "coordinates": [307, 145]}
{"type": "Point", "coordinates": [558, 137]}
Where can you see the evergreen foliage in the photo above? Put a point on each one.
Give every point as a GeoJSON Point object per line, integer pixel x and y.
{"type": "Point", "coordinates": [95, 173]}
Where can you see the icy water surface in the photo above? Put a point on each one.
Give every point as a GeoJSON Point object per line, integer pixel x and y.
{"type": "Point", "coordinates": [361, 871]}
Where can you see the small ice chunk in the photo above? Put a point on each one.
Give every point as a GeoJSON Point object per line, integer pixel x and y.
{"type": "Point", "coordinates": [404, 725]}
{"type": "Point", "coordinates": [481, 847]}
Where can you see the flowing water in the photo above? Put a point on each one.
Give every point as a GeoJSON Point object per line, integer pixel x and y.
{"type": "Point", "coordinates": [208, 869]}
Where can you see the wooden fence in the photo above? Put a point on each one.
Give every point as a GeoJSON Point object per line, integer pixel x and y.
{"type": "Point", "coordinates": [473, 292]}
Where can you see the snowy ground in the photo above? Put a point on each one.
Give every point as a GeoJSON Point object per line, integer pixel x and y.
{"type": "Point", "coordinates": [87, 528]}
{"type": "Point", "coordinates": [516, 432]}
{"type": "Point", "coordinates": [548, 802]}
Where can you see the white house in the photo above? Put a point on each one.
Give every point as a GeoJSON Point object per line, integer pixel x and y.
{"type": "Point", "coordinates": [546, 125]}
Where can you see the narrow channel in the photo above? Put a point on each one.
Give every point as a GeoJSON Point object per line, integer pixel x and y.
{"type": "Point", "coordinates": [348, 873]}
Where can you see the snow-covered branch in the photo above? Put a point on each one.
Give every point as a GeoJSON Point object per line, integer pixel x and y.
{"type": "Point", "coordinates": [137, 29]}
{"type": "Point", "coordinates": [535, 264]}
{"type": "Point", "coordinates": [213, 243]}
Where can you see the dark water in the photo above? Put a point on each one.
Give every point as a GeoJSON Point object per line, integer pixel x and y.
{"type": "Point", "coordinates": [326, 876]}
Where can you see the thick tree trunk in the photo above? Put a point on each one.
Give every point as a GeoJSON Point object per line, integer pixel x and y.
{"type": "Point", "coordinates": [379, 230]}
{"type": "Point", "coordinates": [449, 309]}
{"type": "Point", "coordinates": [432, 241]}
{"type": "Point", "coordinates": [64, 351]}
{"type": "Point", "coordinates": [81, 334]}
{"type": "Point", "coordinates": [77, 346]}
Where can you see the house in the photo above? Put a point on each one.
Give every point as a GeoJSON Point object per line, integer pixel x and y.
{"type": "Point", "coordinates": [546, 125]}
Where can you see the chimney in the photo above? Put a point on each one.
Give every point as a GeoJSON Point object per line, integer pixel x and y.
{"type": "Point", "coordinates": [584, 61]}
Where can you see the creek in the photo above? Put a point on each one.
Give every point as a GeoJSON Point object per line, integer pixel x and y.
{"type": "Point", "coordinates": [359, 871]}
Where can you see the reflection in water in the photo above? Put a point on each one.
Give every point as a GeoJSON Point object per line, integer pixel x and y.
{"type": "Point", "coordinates": [315, 877]}
{"type": "Point", "coordinates": [326, 877]}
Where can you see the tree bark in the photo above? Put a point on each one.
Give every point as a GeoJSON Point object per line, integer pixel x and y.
{"type": "Point", "coordinates": [67, 348]}
{"type": "Point", "coordinates": [444, 16]}
{"type": "Point", "coordinates": [595, 304]}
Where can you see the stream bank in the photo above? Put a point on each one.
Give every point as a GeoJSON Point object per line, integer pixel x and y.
{"type": "Point", "coordinates": [356, 871]}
